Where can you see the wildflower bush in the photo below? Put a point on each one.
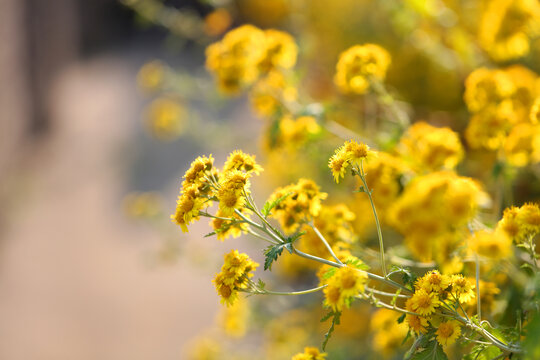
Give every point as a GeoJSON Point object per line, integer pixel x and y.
{"type": "Point", "coordinates": [404, 214]}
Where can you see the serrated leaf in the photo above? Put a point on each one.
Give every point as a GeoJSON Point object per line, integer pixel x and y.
{"type": "Point", "coordinates": [357, 263]}
{"type": "Point", "coordinates": [483, 352]}
{"type": "Point", "coordinates": [271, 254]}
{"type": "Point", "coordinates": [268, 206]}
{"type": "Point", "coordinates": [432, 351]}
{"type": "Point", "coordinates": [335, 321]}
{"type": "Point", "coordinates": [210, 234]}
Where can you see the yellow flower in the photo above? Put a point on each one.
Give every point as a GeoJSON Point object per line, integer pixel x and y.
{"type": "Point", "coordinates": [225, 229]}
{"type": "Point", "coordinates": [529, 217]}
{"type": "Point", "coordinates": [310, 353]}
{"type": "Point", "coordinates": [296, 132]}
{"type": "Point", "coordinates": [238, 160]}
{"type": "Point", "coordinates": [197, 171]}
{"type": "Point", "coordinates": [229, 201]}
{"type": "Point", "coordinates": [338, 163]}
{"type": "Point", "coordinates": [358, 64]}
{"type": "Point", "coordinates": [462, 288]}
{"type": "Point", "coordinates": [416, 323]}
{"type": "Point", "coordinates": [448, 332]}
{"type": "Point", "coordinates": [216, 22]}
{"type": "Point", "coordinates": [492, 244]}
{"type": "Point", "coordinates": [510, 225]}
{"type": "Point", "coordinates": [424, 303]}
{"type": "Point", "coordinates": [151, 76]}
{"type": "Point", "coordinates": [433, 281]}
{"type": "Point", "coordinates": [519, 146]}
{"type": "Point", "coordinates": [233, 276]}
{"type": "Point", "coordinates": [388, 334]}
{"type": "Point", "coordinates": [534, 115]}
{"type": "Point", "coordinates": [346, 283]}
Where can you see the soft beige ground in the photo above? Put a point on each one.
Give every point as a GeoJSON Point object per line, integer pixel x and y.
{"type": "Point", "coordinates": [75, 280]}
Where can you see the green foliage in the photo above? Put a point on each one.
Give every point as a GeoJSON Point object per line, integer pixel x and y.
{"type": "Point", "coordinates": [272, 252]}
{"type": "Point", "coordinates": [329, 273]}
{"type": "Point", "coordinates": [426, 347]}
{"type": "Point", "coordinates": [357, 263]}
{"type": "Point", "coordinates": [268, 206]}
{"type": "Point", "coordinates": [483, 352]}
{"type": "Point", "coordinates": [336, 318]}
{"type": "Point", "coordinates": [531, 343]}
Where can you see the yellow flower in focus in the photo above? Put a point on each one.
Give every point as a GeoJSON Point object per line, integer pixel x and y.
{"type": "Point", "coordinates": [165, 119]}
{"type": "Point", "coordinates": [529, 218]}
{"type": "Point", "coordinates": [338, 163]}
{"type": "Point", "coordinates": [431, 148]}
{"type": "Point", "coordinates": [281, 51]}
{"type": "Point", "coordinates": [491, 244]}
{"type": "Point", "coordinates": [225, 229]}
{"type": "Point", "coordinates": [448, 332]}
{"type": "Point", "coordinates": [416, 323]}
{"type": "Point", "coordinates": [196, 173]}
{"type": "Point", "coordinates": [350, 153]}
{"type": "Point", "coordinates": [233, 276]}
{"type": "Point", "coordinates": [151, 76]}
{"type": "Point", "coordinates": [433, 281]}
{"type": "Point", "coordinates": [310, 353]}
{"type": "Point", "coordinates": [423, 303]}
{"type": "Point", "coordinates": [358, 64]}
{"type": "Point", "coordinates": [238, 160]}
{"type": "Point", "coordinates": [462, 288]}
{"type": "Point", "coordinates": [346, 283]}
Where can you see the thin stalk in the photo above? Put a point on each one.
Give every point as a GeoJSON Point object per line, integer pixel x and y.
{"type": "Point", "coordinates": [302, 292]}
{"type": "Point", "coordinates": [325, 243]}
{"type": "Point", "coordinates": [379, 232]}
{"type": "Point", "coordinates": [478, 303]}
{"type": "Point", "coordinates": [316, 258]}
{"type": "Point", "coordinates": [262, 237]}
{"type": "Point", "coordinates": [400, 117]}
{"type": "Point", "coordinates": [378, 302]}
{"type": "Point", "coordinates": [384, 293]}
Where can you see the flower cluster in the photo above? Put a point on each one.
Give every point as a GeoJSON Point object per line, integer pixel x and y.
{"type": "Point", "coordinates": [432, 208]}
{"type": "Point", "coordinates": [297, 203]}
{"type": "Point", "coordinates": [429, 148]}
{"type": "Point", "coordinates": [346, 155]}
{"type": "Point", "coordinates": [234, 275]}
{"type": "Point", "coordinates": [502, 103]}
{"type": "Point", "coordinates": [342, 286]}
{"type": "Point", "coordinates": [247, 52]}
{"type": "Point", "coordinates": [434, 291]}
{"type": "Point", "coordinates": [519, 223]}
{"type": "Point", "coordinates": [358, 65]}
{"type": "Point", "coordinates": [203, 183]}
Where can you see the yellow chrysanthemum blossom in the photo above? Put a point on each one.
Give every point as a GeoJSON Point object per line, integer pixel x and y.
{"type": "Point", "coordinates": [233, 276]}
{"type": "Point", "coordinates": [224, 228]}
{"type": "Point", "coordinates": [300, 202]}
{"type": "Point", "coordinates": [351, 152]}
{"type": "Point", "coordinates": [358, 64]}
{"type": "Point", "coordinates": [462, 288]}
{"type": "Point", "coordinates": [346, 283]}
{"type": "Point", "coordinates": [448, 332]}
{"type": "Point", "coordinates": [295, 132]}
{"type": "Point", "coordinates": [310, 353]}
{"type": "Point", "coordinates": [238, 160]}
{"type": "Point", "coordinates": [433, 281]}
{"type": "Point", "coordinates": [485, 87]}
{"type": "Point", "coordinates": [418, 324]}
{"type": "Point", "coordinates": [423, 303]}
{"type": "Point", "coordinates": [519, 147]}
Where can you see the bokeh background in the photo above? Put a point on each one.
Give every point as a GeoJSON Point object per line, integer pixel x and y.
{"type": "Point", "coordinates": [78, 278]}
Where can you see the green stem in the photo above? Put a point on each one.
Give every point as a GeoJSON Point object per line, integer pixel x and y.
{"type": "Point", "coordinates": [262, 237]}
{"type": "Point", "coordinates": [325, 243]}
{"type": "Point", "coordinates": [379, 232]}
{"type": "Point", "coordinates": [302, 292]}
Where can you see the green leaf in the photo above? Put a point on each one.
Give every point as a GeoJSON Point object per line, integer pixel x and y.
{"type": "Point", "coordinates": [210, 234]}
{"type": "Point", "coordinates": [268, 206]}
{"type": "Point", "coordinates": [483, 352]}
{"type": "Point", "coordinates": [432, 351]}
{"type": "Point", "coordinates": [357, 263]}
{"type": "Point", "coordinates": [401, 318]}
{"type": "Point", "coordinates": [272, 252]}
{"type": "Point", "coordinates": [336, 316]}
{"type": "Point", "coordinates": [531, 343]}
